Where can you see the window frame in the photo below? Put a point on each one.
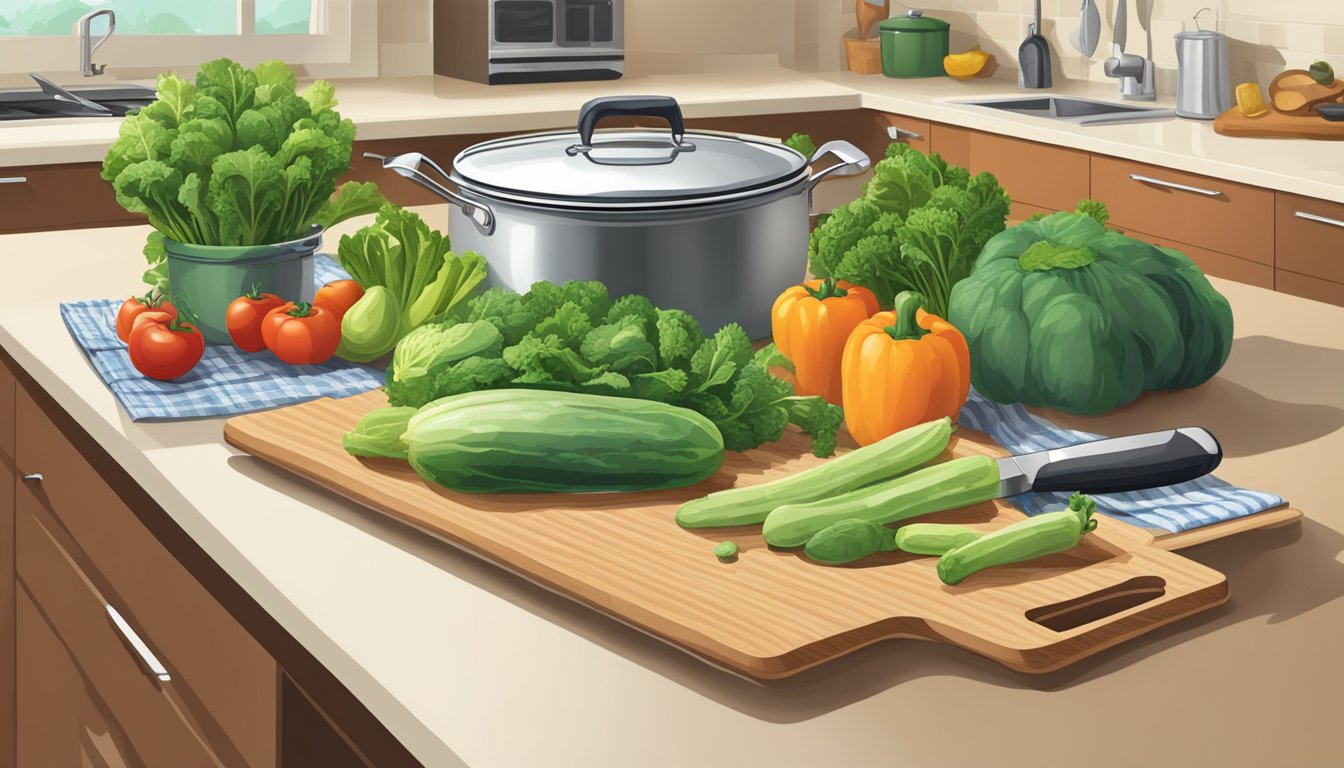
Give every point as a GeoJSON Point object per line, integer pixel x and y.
{"type": "Point", "coordinates": [338, 50]}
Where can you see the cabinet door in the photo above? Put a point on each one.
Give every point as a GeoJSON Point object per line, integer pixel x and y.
{"type": "Point", "coordinates": [61, 722]}
{"type": "Point", "coordinates": [39, 197]}
{"type": "Point", "coordinates": [120, 664]}
{"type": "Point", "coordinates": [7, 481]}
{"type": "Point", "coordinates": [1040, 178]}
{"type": "Point", "coordinates": [1309, 247]}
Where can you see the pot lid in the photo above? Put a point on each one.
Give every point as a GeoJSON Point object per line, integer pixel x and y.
{"type": "Point", "coordinates": [913, 21]}
{"type": "Point", "coordinates": [1199, 34]}
{"type": "Point", "coordinates": [625, 166]}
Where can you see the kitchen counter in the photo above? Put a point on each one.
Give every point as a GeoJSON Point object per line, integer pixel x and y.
{"type": "Point", "coordinates": [427, 106]}
{"type": "Point", "coordinates": [467, 664]}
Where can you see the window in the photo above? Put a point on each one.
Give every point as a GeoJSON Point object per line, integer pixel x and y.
{"type": "Point", "coordinates": [38, 35]}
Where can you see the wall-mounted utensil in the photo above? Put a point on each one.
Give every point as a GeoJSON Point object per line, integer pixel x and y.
{"type": "Point", "coordinates": [869, 12]}
{"type": "Point", "coordinates": [1088, 33]}
{"type": "Point", "coordinates": [1033, 56]}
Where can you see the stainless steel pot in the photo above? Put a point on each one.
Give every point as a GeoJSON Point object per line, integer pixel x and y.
{"type": "Point", "coordinates": [1203, 89]}
{"type": "Point", "coordinates": [710, 223]}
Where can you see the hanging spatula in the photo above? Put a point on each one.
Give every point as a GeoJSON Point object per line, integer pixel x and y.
{"type": "Point", "coordinates": [1085, 37]}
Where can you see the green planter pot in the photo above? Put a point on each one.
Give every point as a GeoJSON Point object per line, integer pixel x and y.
{"type": "Point", "coordinates": [204, 279]}
{"type": "Point", "coordinates": [913, 45]}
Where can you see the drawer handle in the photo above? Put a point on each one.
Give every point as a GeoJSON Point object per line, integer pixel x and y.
{"type": "Point", "coordinates": [1174, 185]}
{"type": "Point", "coordinates": [13, 179]}
{"type": "Point", "coordinates": [147, 656]}
{"type": "Point", "coordinates": [35, 477]}
{"type": "Point", "coordinates": [1321, 219]}
{"type": "Point", "coordinates": [901, 133]}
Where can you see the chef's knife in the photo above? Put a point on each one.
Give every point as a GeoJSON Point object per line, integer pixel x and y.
{"type": "Point", "coordinates": [1130, 463]}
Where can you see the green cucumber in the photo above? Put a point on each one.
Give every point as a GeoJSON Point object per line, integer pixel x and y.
{"type": "Point", "coordinates": [526, 440]}
{"type": "Point", "coordinates": [886, 458]}
{"type": "Point", "coordinates": [849, 540]}
{"type": "Point", "coordinates": [1037, 536]}
{"type": "Point", "coordinates": [934, 538]}
{"type": "Point", "coordinates": [951, 484]}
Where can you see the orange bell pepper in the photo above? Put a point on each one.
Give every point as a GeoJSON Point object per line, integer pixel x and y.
{"type": "Point", "coordinates": [903, 368]}
{"type": "Point", "coordinates": [810, 323]}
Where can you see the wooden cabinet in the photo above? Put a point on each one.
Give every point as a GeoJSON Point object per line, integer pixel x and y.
{"type": "Point", "coordinates": [70, 196]}
{"type": "Point", "coordinates": [7, 596]}
{"type": "Point", "coordinates": [227, 681]}
{"type": "Point", "coordinates": [62, 722]}
{"type": "Point", "coordinates": [141, 717]}
{"type": "Point", "coordinates": [1309, 247]}
{"type": "Point", "coordinates": [1038, 177]}
{"type": "Point", "coordinates": [1218, 215]}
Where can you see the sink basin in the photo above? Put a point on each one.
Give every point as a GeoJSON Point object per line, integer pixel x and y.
{"type": "Point", "coordinates": [1074, 110]}
{"type": "Point", "coordinates": [33, 104]}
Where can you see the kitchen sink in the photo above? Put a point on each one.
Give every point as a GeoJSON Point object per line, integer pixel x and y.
{"type": "Point", "coordinates": [34, 104]}
{"type": "Point", "coordinates": [1074, 110]}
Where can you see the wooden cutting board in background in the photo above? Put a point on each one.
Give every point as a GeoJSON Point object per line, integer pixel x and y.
{"type": "Point", "coordinates": [1277, 125]}
{"type": "Point", "coordinates": [771, 613]}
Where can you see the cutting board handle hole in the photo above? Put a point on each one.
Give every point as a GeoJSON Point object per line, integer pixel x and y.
{"type": "Point", "coordinates": [1094, 606]}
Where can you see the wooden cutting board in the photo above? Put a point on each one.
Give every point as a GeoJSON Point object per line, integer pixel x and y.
{"type": "Point", "coordinates": [1278, 125]}
{"type": "Point", "coordinates": [771, 613]}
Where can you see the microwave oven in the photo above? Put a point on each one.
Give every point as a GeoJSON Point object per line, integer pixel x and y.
{"type": "Point", "coordinates": [529, 41]}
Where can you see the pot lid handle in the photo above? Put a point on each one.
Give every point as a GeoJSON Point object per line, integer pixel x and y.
{"type": "Point", "coordinates": [595, 110]}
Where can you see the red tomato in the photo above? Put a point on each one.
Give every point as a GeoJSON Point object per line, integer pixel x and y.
{"type": "Point", "coordinates": [301, 333]}
{"type": "Point", "coordinates": [135, 306]}
{"type": "Point", "coordinates": [243, 318]}
{"type": "Point", "coordinates": [338, 297]}
{"type": "Point", "coordinates": [163, 347]}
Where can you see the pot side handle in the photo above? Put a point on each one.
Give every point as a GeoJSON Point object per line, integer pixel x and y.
{"type": "Point", "coordinates": [408, 165]}
{"type": "Point", "coordinates": [854, 161]}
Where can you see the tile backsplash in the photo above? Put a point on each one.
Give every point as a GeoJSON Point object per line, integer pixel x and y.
{"type": "Point", "coordinates": [1264, 38]}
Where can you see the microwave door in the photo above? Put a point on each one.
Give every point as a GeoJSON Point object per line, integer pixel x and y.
{"type": "Point", "coordinates": [587, 22]}
{"type": "Point", "coordinates": [524, 22]}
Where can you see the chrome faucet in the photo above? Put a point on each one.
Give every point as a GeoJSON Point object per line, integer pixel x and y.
{"type": "Point", "coordinates": [86, 44]}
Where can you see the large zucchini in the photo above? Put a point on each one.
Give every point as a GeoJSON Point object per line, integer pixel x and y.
{"type": "Point", "coordinates": [521, 440]}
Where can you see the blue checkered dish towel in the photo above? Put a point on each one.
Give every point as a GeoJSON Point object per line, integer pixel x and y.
{"type": "Point", "coordinates": [227, 381]}
{"type": "Point", "coordinates": [1174, 508]}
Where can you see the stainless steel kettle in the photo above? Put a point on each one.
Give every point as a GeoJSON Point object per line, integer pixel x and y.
{"type": "Point", "coordinates": [1203, 91]}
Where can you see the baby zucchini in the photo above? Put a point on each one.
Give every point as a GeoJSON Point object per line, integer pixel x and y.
{"type": "Point", "coordinates": [948, 485]}
{"type": "Point", "coordinates": [934, 538]}
{"type": "Point", "coordinates": [849, 540]}
{"type": "Point", "coordinates": [1037, 536]}
{"type": "Point", "coordinates": [886, 458]}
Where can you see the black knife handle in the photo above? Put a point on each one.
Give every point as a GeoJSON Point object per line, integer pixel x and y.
{"type": "Point", "coordinates": [1132, 463]}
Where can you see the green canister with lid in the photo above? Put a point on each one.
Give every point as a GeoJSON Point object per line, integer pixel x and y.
{"type": "Point", "coordinates": [913, 45]}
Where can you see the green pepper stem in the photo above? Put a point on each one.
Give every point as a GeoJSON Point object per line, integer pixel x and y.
{"type": "Point", "coordinates": [827, 290]}
{"type": "Point", "coordinates": [301, 309]}
{"type": "Point", "coordinates": [905, 306]}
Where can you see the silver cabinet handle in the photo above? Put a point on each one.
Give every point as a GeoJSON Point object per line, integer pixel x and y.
{"type": "Point", "coordinates": [1174, 185]}
{"type": "Point", "coordinates": [13, 179]}
{"type": "Point", "coordinates": [147, 656]}
{"type": "Point", "coordinates": [901, 133]}
{"type": "Point", "coordinates": [1321, 219]}
{"type": "Point", "coordinates": [35, 477]}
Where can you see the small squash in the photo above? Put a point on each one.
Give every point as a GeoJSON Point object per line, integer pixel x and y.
{"type": "Point", "coordinates": [810, 324]}
{"type": "Point", "coordinates": [903, 368]}
{"type": "Point", "coordinates": [966, 66]}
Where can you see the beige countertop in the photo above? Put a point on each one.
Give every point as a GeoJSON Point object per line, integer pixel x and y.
{"type": "Point", "coordinates": [425, 106]}
{"type": "Point", "coordinates": [467, 664]}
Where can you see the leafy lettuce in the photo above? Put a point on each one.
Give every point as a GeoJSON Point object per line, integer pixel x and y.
{"type": "Point", "coordinates": [575, 338]}
{"type": "Point", "coordinates": [919, 225]}
{"type": "Point", "coordinates": [236, 158]}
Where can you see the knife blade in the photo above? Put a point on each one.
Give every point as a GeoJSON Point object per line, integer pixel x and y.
{"type": "Point", "coordinates": [1110, 465]}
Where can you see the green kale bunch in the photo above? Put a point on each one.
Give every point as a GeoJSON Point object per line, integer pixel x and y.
{"type": "Point", "coordinates": [236, 158]}
{"type": "Point", "coordinates": [575, 338]}
{"type": "Point", "coordinates": [919, 225]}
